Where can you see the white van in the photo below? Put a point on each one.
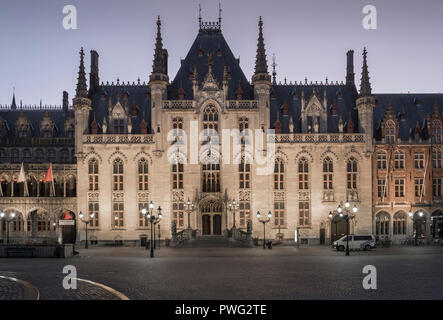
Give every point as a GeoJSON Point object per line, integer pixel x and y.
{"type": "Point", "coordinates": [356, 242]}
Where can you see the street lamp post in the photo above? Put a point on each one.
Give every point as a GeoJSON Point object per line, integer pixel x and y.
{"type": "Point", "coordinates": [264, 221]}
{"type": "Point", "coordinates": [86, 222]}
{"type": "Point", "coordinates": [149, 216]}
{"type": "Point", "coordinates": [346, 214]}
{"type": "Point", "coordinates": [189, 206]}
{"type": "Point", "coordinates": [233, 207]}
{"type": "Point", "coordinates": [8, 220]}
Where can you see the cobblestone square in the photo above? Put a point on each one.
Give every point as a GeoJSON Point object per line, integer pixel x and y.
{"type": "Point", "coordinates": [222, 273]}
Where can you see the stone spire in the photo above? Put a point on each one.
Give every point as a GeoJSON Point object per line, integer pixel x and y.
{"type": "Point", "coordinates": [13, 104]}
{"type": "Point", "coordinates": [82, 90]}
{"type": "Point", "coordinates": [160, 54]}
{"type": "Point", "coordinates": [365, 86]}
{"type": "Point", "coordinates": [261, 65]}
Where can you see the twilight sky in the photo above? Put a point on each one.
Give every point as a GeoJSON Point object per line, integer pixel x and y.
{"type": "Point", "coordinates": [310, 39]}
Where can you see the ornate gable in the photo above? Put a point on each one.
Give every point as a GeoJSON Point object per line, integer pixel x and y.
{"type": "Point", "coordinates": [22, 124]}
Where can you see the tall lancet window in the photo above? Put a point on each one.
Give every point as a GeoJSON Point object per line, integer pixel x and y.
{"type": "Point", "coordinates": [210, 120]}
{"type": "Point", "coordinates": [211, 177]}
{"type": "Point", "coordinates": [352, 171]}
{"type": "Point", "coordinates": [117, 174]}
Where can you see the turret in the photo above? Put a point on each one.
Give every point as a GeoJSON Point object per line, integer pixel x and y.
{"type": "Point", "coordinates": [158, 80]}
{"type": "Point", "coordinates": [94, 78]}
{"type": "Point", "coordinates": [82, 106]}
{"type": "Point", "coordinates": [350, 75]}
{"type": "Point", "coordinates": [261, 80]}
{"type": "Point", "coordinates": [365, 105]}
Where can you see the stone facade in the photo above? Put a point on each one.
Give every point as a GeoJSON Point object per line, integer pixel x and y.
{"type": "Point", "coordinates": [166, 142]}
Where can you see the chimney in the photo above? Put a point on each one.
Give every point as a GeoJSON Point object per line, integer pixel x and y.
{"type": "Point", "coordinates": [350, 75]}
{"type": "Point", "coordinates": [94, 78]}
{"type": "Point", "coordinates": [65, 101]}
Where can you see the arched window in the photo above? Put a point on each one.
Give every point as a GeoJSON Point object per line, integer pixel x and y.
{"type": "Point", "coordinates": [93, 174]}
{"type": "Point", "coordinates": [303, 174]}
{"type": "Point", "coordinates": [382, 224]}
{"type": "Point", "coordinates": [279, 174]}
{"type": "Point", "coordinates": [51, 155]}
{"type": "Point", "coordinates": [210, 120]}
{"type": "Point", "coordinates": [5, 187]}
{"type": "Point", "coordinates": [400, 223]}
{"type": "Point", "coordinates": [32, 186]}
{"type": "Point", "coordinates": [71, 186]}
{"type": "Point", "coordinates": [17, 224]}
{"type": "Point", "coordinates": [244, 169]}
{"type": "Point", "coordinates": [352, 170]}
{"type": "Point", "coordinates": [328, 171]}
{"type": "Point", "coordinates": [27, 157]}
{"type": "Point", "coordinates": [177, 126]}
{"type": "Point", "coordinates": [381, 160]}
{"type": "Point", "coordinates": [117, 174]}
{"type": "Point", "coordinates": [436, 132]}
{"type": "Point", "coordinates": [177, 175]}
{"type": "Point", "coordinates": [39, 155]}
{"type": "Point", "coordinates": [143, 175]}
{"type": "Point", "coordinates": [15, 156]}
{"type": "Point", "coordinates": [390, 132]}
{"type": "Point", "coordinates": [399, 160]}
{"type": "Point", "coordinates": [243, 124]}
{"type": "Point", "coordinates": [43, 223]}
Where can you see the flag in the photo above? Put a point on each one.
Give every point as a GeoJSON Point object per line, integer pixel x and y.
{"type": "Point", "coordinates": [49, 178]}
{"type": "Point", "coordinates": [22, 178]}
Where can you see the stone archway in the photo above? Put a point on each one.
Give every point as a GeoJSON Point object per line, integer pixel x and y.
{"type": "Point", "coordinates": [419, 224]}
{"type": "Point", "coordinates": [338, 228]}
{"type": "Point", "coordinates": [437, 224]}
{"type": "Point", "coordinates": [67, 223]}
{"type": "Point", "coordinates": [211, 213]}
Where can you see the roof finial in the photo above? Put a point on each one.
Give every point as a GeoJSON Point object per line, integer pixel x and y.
{"type": "Point", "coordinates": [82, 90]}
{"type": "Point", "coordinates": [274, 72]}
{"type": "Point", "coordinates": [365, 86]}
{"type": "Point", "coordinates": [160, 54]}
{"type": "Point", "coordinates": [261, 64]}
{"type": "Point", "coordinates": [199, 16]}
{"type": "Point", "coordinates": [13, 104]}
{"type": "Point", "coordinates": [219, 14]}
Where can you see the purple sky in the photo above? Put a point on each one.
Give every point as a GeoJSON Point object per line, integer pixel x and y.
{"type": "Point", "coordinates": [310, 39]}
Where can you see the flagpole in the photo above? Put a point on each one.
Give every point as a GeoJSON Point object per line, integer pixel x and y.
{"type": "Point", "coordinates": [53, 186]}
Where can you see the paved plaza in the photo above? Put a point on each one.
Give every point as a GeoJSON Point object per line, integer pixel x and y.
{"type": "Point", "coordinates": [222, 273]}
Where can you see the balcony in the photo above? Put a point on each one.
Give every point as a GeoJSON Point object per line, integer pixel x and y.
{"type": "Point", "coordinates": [318, 138]}
{"type": "Point", "coordinates": [119, 139]}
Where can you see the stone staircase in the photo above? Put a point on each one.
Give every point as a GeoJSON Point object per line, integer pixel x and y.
{"type": "Point", "coordinates": [214, 242]}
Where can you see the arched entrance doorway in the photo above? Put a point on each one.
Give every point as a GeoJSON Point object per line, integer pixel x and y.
{"type": "Point", "coordinates": [338, 228]}
{"type": "Point", "coordinates": [419, 224]}
{"type": "Point", "coordinates": [211, 218]}
{"type": "Point", "coordinates": [437, 224]}
{"type": "Point", "coordinates": [68, 227]}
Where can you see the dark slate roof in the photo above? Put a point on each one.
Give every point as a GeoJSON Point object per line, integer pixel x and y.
{"type": "Point", "coordinates": [210, 43]}
{"type": "Point", "coordinates": [58, 116]}
{"type": "Point", "coordinates": [416, 107]}
{"type": "Point", "coordinates": [285, 94]}
{"type": "Point", "coordinates": [138, 95]}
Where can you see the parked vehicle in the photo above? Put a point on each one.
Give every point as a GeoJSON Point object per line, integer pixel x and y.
{"type": "Point", "coordinates": [356, 242]}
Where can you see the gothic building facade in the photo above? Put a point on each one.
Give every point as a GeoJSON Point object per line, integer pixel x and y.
{"type": "Point", "coordinates": [204, 136]}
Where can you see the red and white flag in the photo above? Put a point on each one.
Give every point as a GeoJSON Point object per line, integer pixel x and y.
{"type": "Point", "coordinates": [49, 178]}
{"type": "Point", "coordinates": [22, 179]}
